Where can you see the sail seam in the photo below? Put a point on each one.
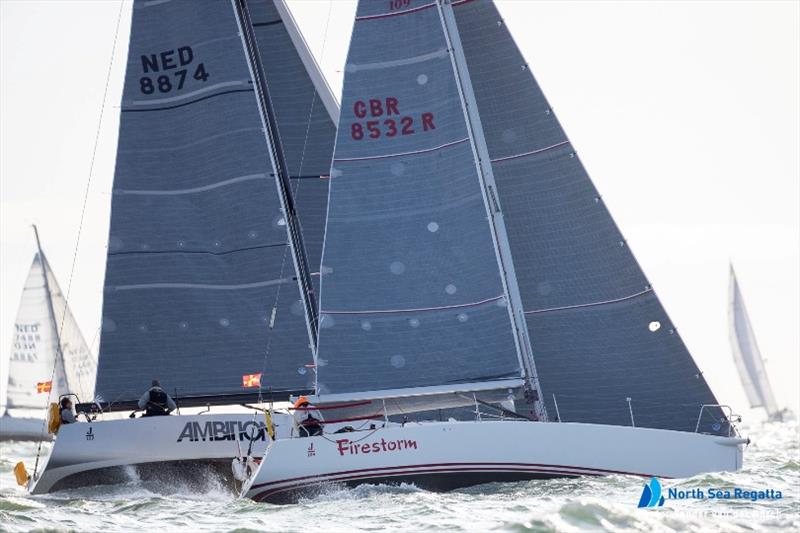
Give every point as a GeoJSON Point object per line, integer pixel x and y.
{"type": "Point", "coordinates": [131, 110]}
{"type": "Point", "coordinates": [396, 13]}
{"type": "Point", "coordinates": [155, 101]}
{"type": "Point", "coordinates": [591, 304]}
{"type": "Point", "coordinates": [269, 23]}
{"type": "Point", "coordinates": [175, 192]}
{"type": "Point", "coordinates": [188, 145]}
{"type": "Point", "coordinates": [152, 3]}
{"type": "Point", "coordinates": [401, 154]}
{"type": "Point", "coordinates": [267, 283]}
{"type": "Point", "coordinates": [246, 249]}
{"type": "Point", "coordinates": [437, 54]}
{"type": "Point", "coordinates": [532, 152]}
{"type": "Point", "coordinates": [414, 310]}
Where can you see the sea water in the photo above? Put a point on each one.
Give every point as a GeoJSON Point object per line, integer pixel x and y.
{"type": "Point", "coordinates": [772, 463]}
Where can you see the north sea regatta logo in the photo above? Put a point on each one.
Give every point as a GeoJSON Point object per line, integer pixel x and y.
{"type": "Point", "coordinates": [653, 494]}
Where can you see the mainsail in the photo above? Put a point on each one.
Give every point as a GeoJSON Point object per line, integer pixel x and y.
{"type": "Point", "coordinates": [49, 353]}
{"type": "Point", "coordinates": [413, 296]}
{"type": "Point", "coordinates": [746, 354]}
{"type": "Point", "coordinates": [201, 287]}
{"type": "Point", "coordinates": [599, 332]}
{"type": "Point", "coordinates": [408, 248]}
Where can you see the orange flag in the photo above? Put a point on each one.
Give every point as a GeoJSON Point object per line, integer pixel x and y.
{"type": "Point", "coordinates": [251, 380]}
{"type": "Point", "coordinates": [44, 386]}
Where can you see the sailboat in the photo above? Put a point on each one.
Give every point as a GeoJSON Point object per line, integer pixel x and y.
{"type": "Point", "coordinates": [747, 356]}
{"type": "Point", "coordinates": [469, 260]}
{"type": "Point", "coordinates": [49, 355]}
{"type": "Point", "coordinates": [218, 208]}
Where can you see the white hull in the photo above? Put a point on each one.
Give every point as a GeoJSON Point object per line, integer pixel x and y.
{"type": "Point", "coordinates": [448, 455]}
{"type": "Point", "coordinates": [92, 453]}
{"type": "Point", "coordinates": [12, 428]}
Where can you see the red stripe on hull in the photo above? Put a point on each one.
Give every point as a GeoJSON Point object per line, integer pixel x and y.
{"type": "Point", "coordinates": [576, 470]}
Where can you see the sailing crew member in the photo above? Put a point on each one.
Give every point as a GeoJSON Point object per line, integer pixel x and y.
{"type": "Point", "coordinates": [67, 414]}
{"type": "Point", "coordinates": [156, 402]}
{"type": "Point", "coordinates": [307, 418]}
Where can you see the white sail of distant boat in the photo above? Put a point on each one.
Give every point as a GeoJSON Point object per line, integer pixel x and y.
{"type": "Point", "coordinates": [49, 355]}
{"type": "Point", "coordinates": [746, 354]}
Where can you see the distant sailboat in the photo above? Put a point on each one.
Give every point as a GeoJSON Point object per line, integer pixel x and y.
{"type": "Point", "coordinates": [49, 355]}
{"type": "Point", "coordinates": [469, 260]}
{"type": "Point", "coordinates": [747, 356]}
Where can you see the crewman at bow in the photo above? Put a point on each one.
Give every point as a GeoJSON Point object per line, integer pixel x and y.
{"type": "Point", "coordinates": [307, 418]}
{"type": "Point", "coordinates": [156, 402]}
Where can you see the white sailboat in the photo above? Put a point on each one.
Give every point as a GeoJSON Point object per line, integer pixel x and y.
{"type": "Point", "coordinates": [747, 356]}
{"type": "Point", "coordinates": [469, 260]}
{"type": "Point", "coordinates": [220, 192]}
{"type": "Point", "coordinates": [49, 355]}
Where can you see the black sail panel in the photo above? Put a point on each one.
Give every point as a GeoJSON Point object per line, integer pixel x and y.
{"type": "Point", "coordinates": [599, 333]}
{"type": "Point", "coordinates": [198, 252]}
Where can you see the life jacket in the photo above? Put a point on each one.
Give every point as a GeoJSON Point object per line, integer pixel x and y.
{"type": "Point", "coordinates": [53, 418]}
{"type": "Point", "coordinates": [157, 406]}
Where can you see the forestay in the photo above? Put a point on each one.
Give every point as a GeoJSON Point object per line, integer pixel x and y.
{"type": "Point", "coordinates": [746, 354]}
{"type": "Point", "coordinates": [198, 246]}
{"type": "Point", "coordinates": [412, 295]}
{"type": "Point", "coordinates": [598, 330]}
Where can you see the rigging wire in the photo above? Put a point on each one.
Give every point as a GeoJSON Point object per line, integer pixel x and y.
{"type": "Point", "coordinates": [295, 194]}
{"type": "Point", "coordinates": [80, 224]}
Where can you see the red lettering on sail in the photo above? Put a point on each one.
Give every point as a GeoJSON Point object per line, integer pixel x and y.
{"type": "Point", "coordinates": [390, 127]}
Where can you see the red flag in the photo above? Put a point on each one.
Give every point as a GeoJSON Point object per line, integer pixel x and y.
{"type": "Point", "coordinates": [251, 380]}
{"type": "Point", "coordinates": [44, 386]}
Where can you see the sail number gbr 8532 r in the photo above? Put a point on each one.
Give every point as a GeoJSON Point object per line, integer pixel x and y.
{"type": "Point", "coordinates": [381, 117]}
{"type": "Point", "coordinates": [167, 71]}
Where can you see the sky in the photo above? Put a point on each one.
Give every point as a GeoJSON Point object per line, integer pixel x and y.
{"type": "Point", "coordinates": [685, 114]}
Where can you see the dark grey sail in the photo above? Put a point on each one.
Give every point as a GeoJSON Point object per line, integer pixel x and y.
{"type": "Point", "coordinates": [412, 294]}
{"type": "Point", "coordinates": [200, 284]}
{"type": "Point", "coordinates": [598, 330]}
{"type": "Point", "coordinates": [306, 113]}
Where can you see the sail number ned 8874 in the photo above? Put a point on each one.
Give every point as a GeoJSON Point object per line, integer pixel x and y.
{"type": "Point", "coordinates": [167, 71]}
{"type": "Point", "coordinates": [385, 119]}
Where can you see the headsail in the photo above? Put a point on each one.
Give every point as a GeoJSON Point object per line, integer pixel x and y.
{"type": "Point", "coordinates": [746, 354]}
{"type": "Point", "coordinates": [35, 366]}
{"type": "Point", "coordinates": [306, 113]}
{"type": "Point", "coordinates": [200, 281]}
{"type": "Point", "coordinates": [412, 294]}
{"type": "Point", "coordinates": [599, 332]}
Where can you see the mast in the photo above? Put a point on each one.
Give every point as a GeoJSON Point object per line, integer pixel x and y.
{"type": "Point", "coordinates": [59, 366]}
{"type": "Point", "coordinates": [492, 202]}
{"type": "Point", "coordinates": [279, 166]}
